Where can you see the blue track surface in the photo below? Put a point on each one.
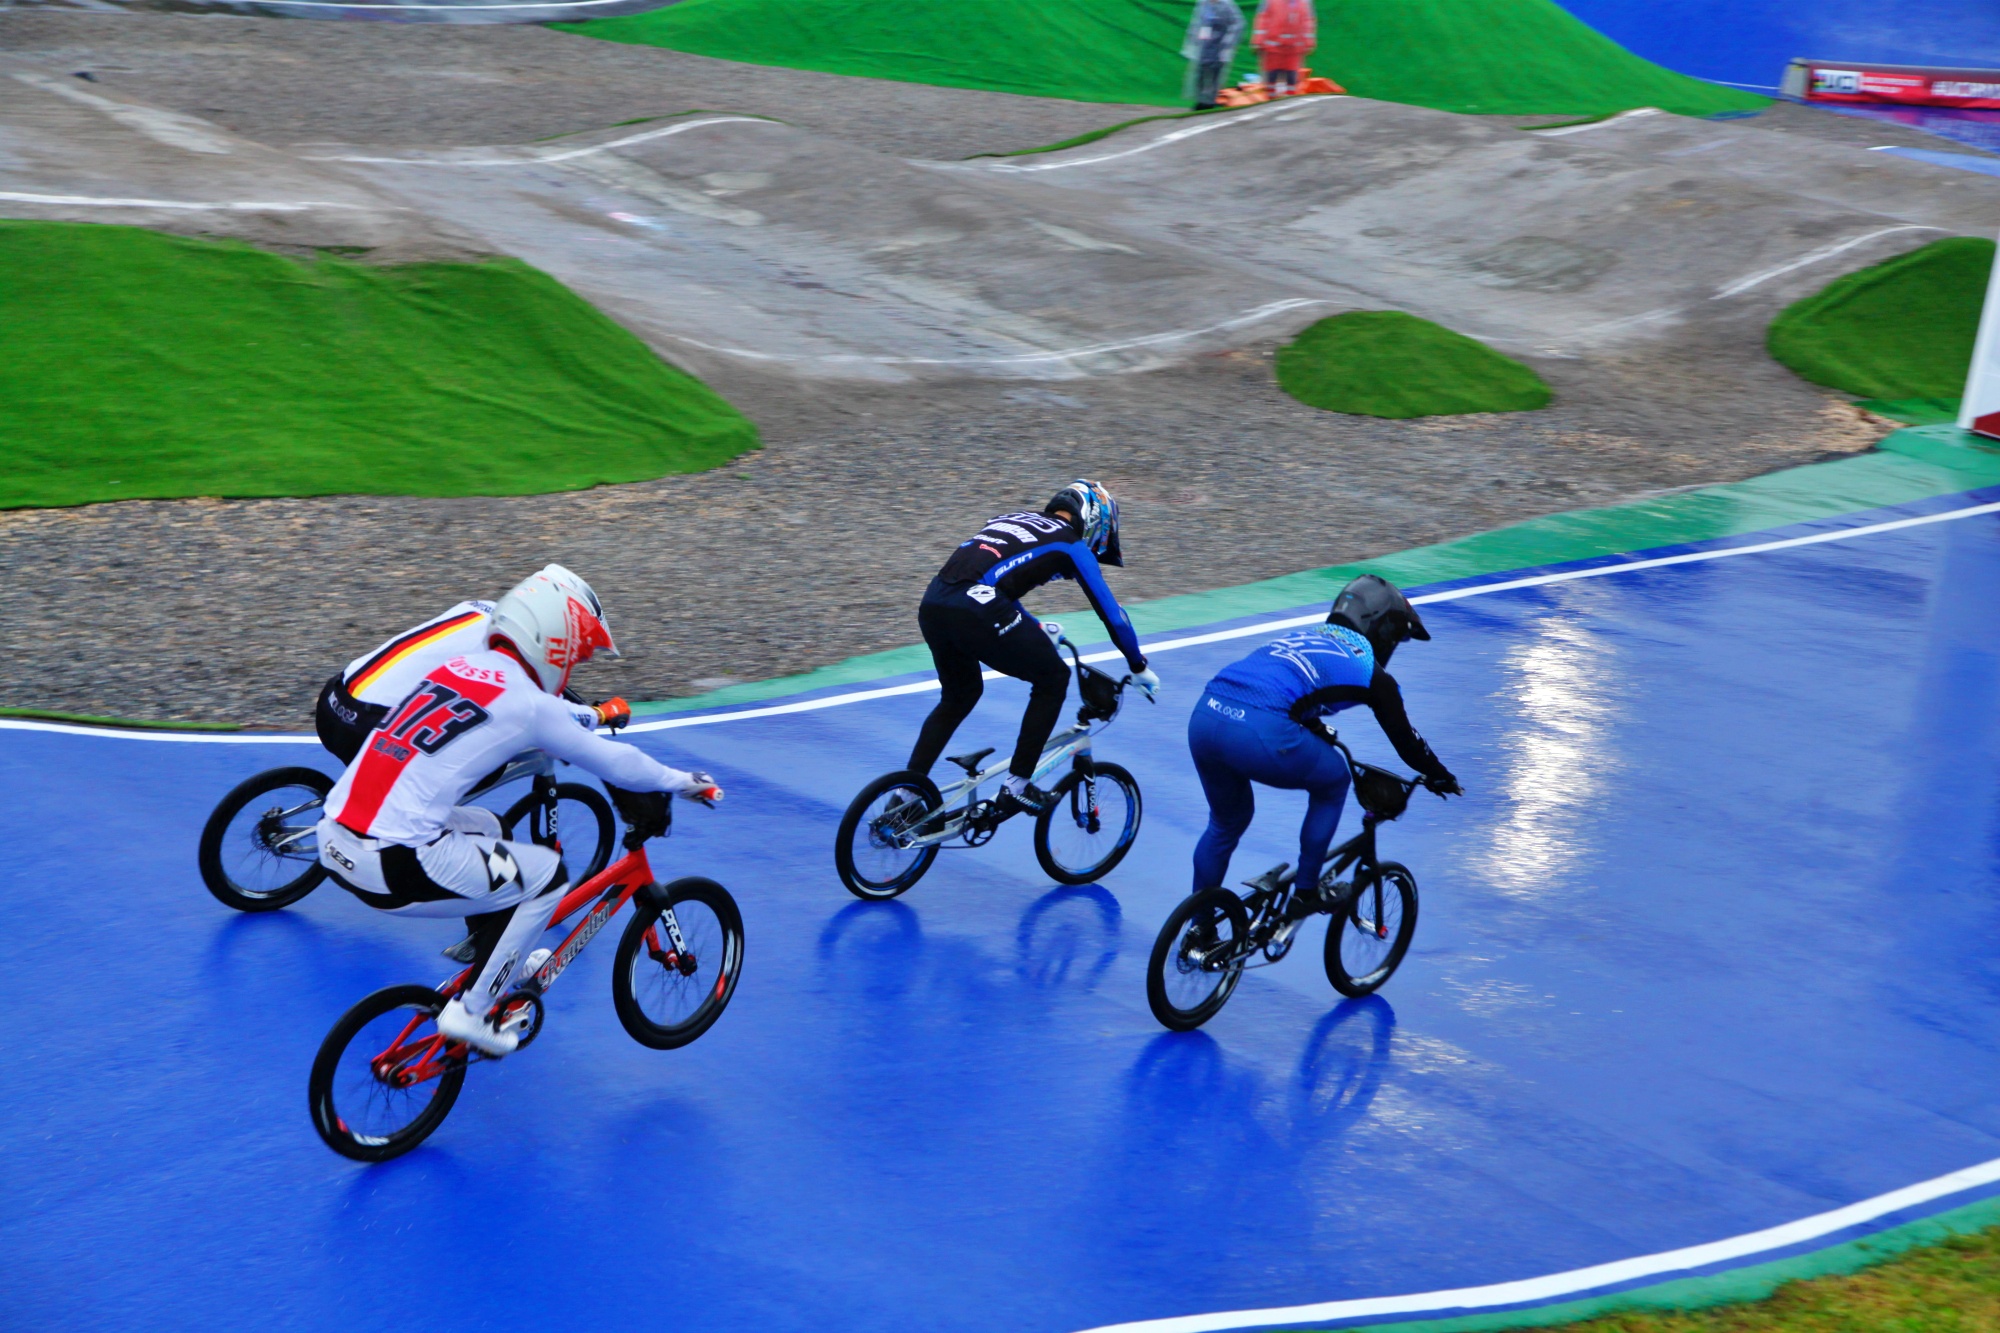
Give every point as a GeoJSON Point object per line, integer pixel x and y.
{"type": "Point", "coordinates": [1709, 948]}
{"type": "Point", "coordinates": [1751, 41]}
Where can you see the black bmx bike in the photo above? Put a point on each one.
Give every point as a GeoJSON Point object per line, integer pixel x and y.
{"type": "Point", "coordinates": [259, 851]}
{"type": "Point", "coordinates": [1214, 935]}
{"type": "Point", "coordinates": [894, 828]}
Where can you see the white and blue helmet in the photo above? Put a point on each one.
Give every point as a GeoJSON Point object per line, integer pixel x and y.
{"type": "Point", "coordinates": [1096, 513]}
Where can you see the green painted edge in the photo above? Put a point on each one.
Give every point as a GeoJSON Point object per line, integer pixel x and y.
{"type": "Point", "coordinates": [129, 723]}
{"type": "Point", "coordinates": [1750, 1283]}
{"type": "Point", "coordinates": [1914, 464]}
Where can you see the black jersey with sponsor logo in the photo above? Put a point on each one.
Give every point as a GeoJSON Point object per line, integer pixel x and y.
{"type": "Point", "coordinates": [1017, 553]}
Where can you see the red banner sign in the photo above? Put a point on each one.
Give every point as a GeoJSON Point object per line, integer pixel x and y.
{"type": "Point", "coordinates": [1910, 85]}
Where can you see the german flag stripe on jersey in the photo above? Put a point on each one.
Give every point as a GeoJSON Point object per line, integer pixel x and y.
{"type": "Point", "coordinates": [398, 649]}
{"type": "Point", "coordinates": [444, 707]}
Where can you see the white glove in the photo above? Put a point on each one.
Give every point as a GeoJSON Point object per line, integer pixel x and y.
{"type": "Point", "coordinates": [1147, 680]}
{"type": "Point", "coordinates": [699, 786]}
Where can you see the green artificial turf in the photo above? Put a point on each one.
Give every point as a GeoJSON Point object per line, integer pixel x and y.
{"type": "Point", "coordinates": [1526, 57]}
{"type": "Point", "coordinates": [1383, 363]}
{"type": "Point", "coordinates": [1900, 329]}
{"type": "Point", "coordinates": [135, 364]}
{"type": "Point", "coordinates": [1953, 1287]}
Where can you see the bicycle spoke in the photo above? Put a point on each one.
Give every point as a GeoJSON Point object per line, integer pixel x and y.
{"type": "Point", "coordinates": [388, 1076]}
{"type": "Point", "coordinates": [1194, 974]}
{"type": "Point", "coordinates": [263, 850]}
{"type": "Point", "coordinates": [893, 824]}
{"type": "Point", "coordinates": [671, 983]}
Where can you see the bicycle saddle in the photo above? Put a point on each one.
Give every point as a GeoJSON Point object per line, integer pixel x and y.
{"type": "Point", "coordinates": [970, 762]}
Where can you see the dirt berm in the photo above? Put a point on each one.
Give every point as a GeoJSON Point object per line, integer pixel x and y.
{"type": "Point", "coordinates": [734, 242]}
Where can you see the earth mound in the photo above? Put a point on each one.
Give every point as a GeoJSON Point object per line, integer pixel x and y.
{"type": "Point", "coordinates": [1901, 329]}
{"type": "Point", "coordinates": [142, 365]}
{"type": "Point", "coordinates": [1525, 57]}
{"type": "Point", "coordinates": [1384, 363]}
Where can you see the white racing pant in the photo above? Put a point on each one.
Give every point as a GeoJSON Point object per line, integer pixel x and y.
{"type": "Point", "coordinates": [468, 870]}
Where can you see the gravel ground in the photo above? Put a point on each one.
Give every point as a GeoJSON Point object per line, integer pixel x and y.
{"type": "Point", "coordinates": [816, 547]}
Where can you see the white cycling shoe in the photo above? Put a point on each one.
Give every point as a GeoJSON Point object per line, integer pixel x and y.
{"type": "Point", "coordinates": [459, 1024]}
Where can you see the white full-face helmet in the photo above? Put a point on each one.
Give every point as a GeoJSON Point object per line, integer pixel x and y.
{"type": "Point", "coordinates": [554, 621]}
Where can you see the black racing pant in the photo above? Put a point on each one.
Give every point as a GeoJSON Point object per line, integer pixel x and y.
{"type": "Point", "coordinates": [343, 721]}
{"type": "Point", "coordinates": [964, 634]}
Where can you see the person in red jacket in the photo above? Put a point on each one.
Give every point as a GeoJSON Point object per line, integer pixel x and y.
{"type": "Point", "coordinates": [1285, 34]}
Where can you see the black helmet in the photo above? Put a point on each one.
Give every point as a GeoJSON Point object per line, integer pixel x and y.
{"type": "Point", "coordinates": [1377, 609]}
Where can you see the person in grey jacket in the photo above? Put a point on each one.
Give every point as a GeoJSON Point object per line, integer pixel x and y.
{"type": "Point", "coordinates": [1212, 35]}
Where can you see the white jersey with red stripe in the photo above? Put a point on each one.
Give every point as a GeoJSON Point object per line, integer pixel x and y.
{"type": "Point", "coordinates": [387, 673]}
{"type": "Point", "coordinates": [463, 720]}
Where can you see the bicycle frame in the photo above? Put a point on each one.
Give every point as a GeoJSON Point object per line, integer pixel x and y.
{"type": "Point", "coordinates": [608, 891]}
{"type": "Point", "coordinates": [1070, 746]}
{"type": "Point", "coordinates": [1065, 746]}
{"type": "Point", "coordinates": [1267, 904]}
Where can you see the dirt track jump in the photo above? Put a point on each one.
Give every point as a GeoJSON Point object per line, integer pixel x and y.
{"type": "Point", "coordinates": [738, 240]}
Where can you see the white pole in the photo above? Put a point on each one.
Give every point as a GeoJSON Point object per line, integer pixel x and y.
{"type": "Point", "coordinates": [1979, 410]}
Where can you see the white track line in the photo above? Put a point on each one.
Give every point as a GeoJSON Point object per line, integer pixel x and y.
{"type": "Point", "coordinates": [1824, 252]}
{"type": "Point", "coordinates": [1621, 118]}
{"type": "Point", "coordinates": [1294, 622]}
{"type": "Point", "coordinates": [1220, 122]}
{"type": "Point", "coordinates": [1262, 312]}
{"type": "Point", "coordinates": [530, 157]}
{"type": "Point", "coordinates": [1579, 1280]}
{"type": "Point", "coordinates": [247, 206]}
{"type": "Point", "coordinates": [1160, 646]}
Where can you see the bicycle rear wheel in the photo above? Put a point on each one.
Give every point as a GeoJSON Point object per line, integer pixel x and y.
{"type": "Point", "coordinates": [671, 979]}
{"type": "Point", "coordinates": [1086, 831]}
{"type": "Point", "coordinates": [385, 1077]}
{"type": "Point", "coordinates": [259, 850]}
{"type": "Point", "coordinates": [868, 850]}
{"type": "Point", "coordinates": [585, 826]}
{"type": "Point", "coordinates": [1183, 989]}
{"type": "Point", "coordinates": [1368, 933]}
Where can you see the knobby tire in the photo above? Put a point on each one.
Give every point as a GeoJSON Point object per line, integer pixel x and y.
{"type": "Point", "coordinates": [321, 1094]}
{"type": "Point", "coordinates": [634, 958]}
{"type": "Point", "coordinates": [1215, 906]}
{"type": "Point", "coordinates": [1059, 808]}
{"type": "Point", "coordinates": [215, 876]}
{"type": "Point", "coordinates": [919, 788]}
{"type": "Point", "coordinates": [1355, 912]}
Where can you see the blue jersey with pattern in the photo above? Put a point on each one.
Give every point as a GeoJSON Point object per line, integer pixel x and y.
{"type": "Point", "coordinates": [1331, 661]}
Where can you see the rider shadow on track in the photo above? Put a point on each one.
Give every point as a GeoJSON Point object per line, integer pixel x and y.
{"type": "Point", "coordinates": [1240, 1144]}
{"type": "Point", "coordinates": [1068, 938]}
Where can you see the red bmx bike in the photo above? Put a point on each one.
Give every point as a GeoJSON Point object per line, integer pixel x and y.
{"type": "Point", "coordinates": [385, 1078]}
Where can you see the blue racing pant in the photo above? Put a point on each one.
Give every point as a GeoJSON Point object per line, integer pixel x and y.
{"type": "Point", "coordinates": [1236, 744]}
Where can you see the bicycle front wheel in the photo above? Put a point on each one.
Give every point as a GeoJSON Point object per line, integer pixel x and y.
{"type": "Point", "coordinates": [676, 970]}
{"type": "Point", "coordinates": [385, 1077]}
{"type": "Point", "coordinates": [1185, 986]}
{"type": "Point", "coordinates": [1368, 934]}
{"type": "Point", "coordinates": [585, 827]}
{"type": "Point", "coordinates": [872, 850]}
{"type": "Point", "coordinates": [259, 850]}
{"type": "Point", "coordinates": [1086, 831]}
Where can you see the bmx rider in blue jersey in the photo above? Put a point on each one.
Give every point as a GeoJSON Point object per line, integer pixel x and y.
{"type": "Point", "coordinates": [1259, 720]}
